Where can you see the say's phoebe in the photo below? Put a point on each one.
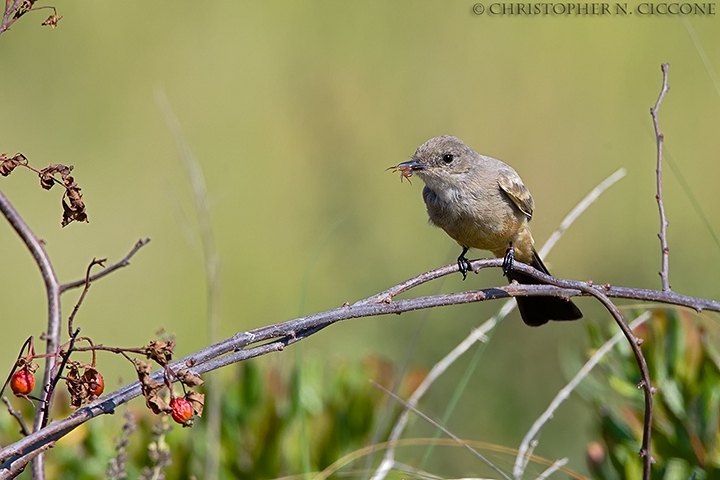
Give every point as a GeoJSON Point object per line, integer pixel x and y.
{"type": "Point", "coordinates": [483, 203]}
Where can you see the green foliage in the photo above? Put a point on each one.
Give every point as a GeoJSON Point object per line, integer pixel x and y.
{"type": "Point", "coordinates": [263, 413]}
{"type": "Point", "coordinates": [685, 368]}
{"type": "Point", "coordinates": [262, 433]}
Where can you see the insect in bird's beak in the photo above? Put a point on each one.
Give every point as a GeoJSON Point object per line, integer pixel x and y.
{"type": "Point", "coordinates": [406, 169]}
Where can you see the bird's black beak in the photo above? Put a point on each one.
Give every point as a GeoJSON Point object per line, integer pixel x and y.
{"type": "Point", "coordinates": [413, 165]}
{"type": "Point", "coordinates": [406, 169]}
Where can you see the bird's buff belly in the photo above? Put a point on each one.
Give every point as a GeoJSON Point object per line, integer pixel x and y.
{"type": "Point", "coordinates": [494, 235]}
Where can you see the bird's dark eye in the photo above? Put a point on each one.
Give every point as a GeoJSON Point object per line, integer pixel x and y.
{"type": "Point", "coordinates": [448, 158]}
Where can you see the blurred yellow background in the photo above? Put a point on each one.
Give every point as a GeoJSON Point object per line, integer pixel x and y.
{"type": "Point", "coordinates": [294, 110]}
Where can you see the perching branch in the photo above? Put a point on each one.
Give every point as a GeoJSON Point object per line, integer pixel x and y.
{"type": "Point", "coordinates": [660, 138]}
{"type": "Point", "coordinates": [273, 338]}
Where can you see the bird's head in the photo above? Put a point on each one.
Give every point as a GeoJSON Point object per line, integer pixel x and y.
{"type": "Point", "coordinates": [440, 162]}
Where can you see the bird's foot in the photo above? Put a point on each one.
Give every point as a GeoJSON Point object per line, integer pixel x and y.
{"type": "Point", "coordinates": [508, 260]}
{"type": "Point", "coordinates": [463, 263]}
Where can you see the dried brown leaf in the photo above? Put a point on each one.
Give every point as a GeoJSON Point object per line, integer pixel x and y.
{"type": "Point", "coordinates": [189, 379]}
{"type": "Point", "coordinates": [143, 370]}
{"type": "Point", "coordinates": [156, 404]}
{"type": "Point", "coordinates": [151, 388]}
{"type": "Point", "coordinates": [47, 174]}
{"type": "Point", "coordinates": [51, 21]}
{"type": "Point", "coordinates": [73, 206]}
{"type": "Point", "coordinates": [7, 165]}
{"type": "Point", "coordinates": [161, 352]}
{"type": "Point", "coordinates": [197, 400]}
{"type": "Point", "coordinates": [82, 385]}
{"type": "Point", "coordinates": [76, 387]}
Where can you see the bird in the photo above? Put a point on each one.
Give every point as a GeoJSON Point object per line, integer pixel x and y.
{"type": "Point", "coordinates": [482, 203]}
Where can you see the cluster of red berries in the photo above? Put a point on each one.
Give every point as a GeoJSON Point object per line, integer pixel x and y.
{"type": "Point", "coordinates": [85, 383]}
{"type": "Point", "coordinates": [22, 384]}
{"type": "Point", "coordinates": [22, 381]}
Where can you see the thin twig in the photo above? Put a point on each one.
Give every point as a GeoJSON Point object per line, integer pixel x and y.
{"type": "Point", "coordinates": [444, 430]}
{"type": "Point", "coordinates": [52, 288]}
{"type": "Point", "coordinates": [122, 263]}
{"type": "Point", "coordinates": [553, 468]}
{"type": "Point", "coordinates": [660, 138]}
{"type": "Point", "coordinates": [56, 378]}
{"type": "Point", "coordinates": [18, 416]}
{"type": "Point", "coordinates": [29, 344]}
{"type": "Point", "coordinates": [84, 292]}
{"type": "Point", "coordinates": [526, 447]}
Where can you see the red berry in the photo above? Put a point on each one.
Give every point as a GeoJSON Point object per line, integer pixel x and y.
{"type": "Point", "coordinates": [182, 410]}
{"type": "Point", "coordinates": [94, 381]}
{"type": "Point", "coordinates": [97, 385]}
{"type": "Point", "coordinates": [22, 381]}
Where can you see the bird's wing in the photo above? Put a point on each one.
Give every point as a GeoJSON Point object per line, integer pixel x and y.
{"type": "Point", "coordinates": [512, 185]}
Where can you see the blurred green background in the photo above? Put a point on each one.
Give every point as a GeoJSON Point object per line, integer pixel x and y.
{"type": "Point", "coordinates": [294, 110]}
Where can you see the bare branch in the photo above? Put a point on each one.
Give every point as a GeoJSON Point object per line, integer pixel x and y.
{"type": "Point", "coordinates": [9, 17]}
{"type": "Point", "coordinates": [553, 468]}
{"type": "Point", "coordinates": [18, 416]}
{"type": "Point", "coordinates": [50, 388]}
{"type": "Point", "coordinates": [275, 337]}
{"type": "Point", "coordinates": [52, 287]}
{"type": "Point", "coordinates": [83, 294]}
{"type": "Point", "coordinates": [122, 263]}
{"type": "Point", "coordinates": [660, 138]}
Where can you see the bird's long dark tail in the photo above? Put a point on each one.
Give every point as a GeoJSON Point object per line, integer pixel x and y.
{"type": "Point", "coordinates": [536, 311]}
